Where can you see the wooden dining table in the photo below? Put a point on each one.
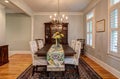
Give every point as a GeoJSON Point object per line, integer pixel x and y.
{"type": "Point", "coordinates": [68, 51]}
{"type": "Point", "coordinates": [55, 56]}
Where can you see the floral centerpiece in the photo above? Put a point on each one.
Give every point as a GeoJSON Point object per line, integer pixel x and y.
{"type": "Point", "coordinates": [57, 36]}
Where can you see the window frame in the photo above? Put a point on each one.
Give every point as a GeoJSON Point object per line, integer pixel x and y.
{"type": "Point", "coordinates": [110, 9]}
{"type": "Point", "coordinates": [93, 28]}
{"type": "Point", "coordinates": [114, 3]}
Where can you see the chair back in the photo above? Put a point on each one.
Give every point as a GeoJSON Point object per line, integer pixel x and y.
{"type": "Point", "coordinates": [72, 45]}
{"type": "Point", "coordinates": [40, 43]}
{"type": "Point", "coordinates": [33, 46]}
{"type": "Point", "coordinates": [78, 49]}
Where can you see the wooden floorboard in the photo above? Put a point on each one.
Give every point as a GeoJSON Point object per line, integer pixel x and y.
{"type": "Point", "coordinates": [101, 71]}
{"type": "Point", "coordinates": [19, 62]}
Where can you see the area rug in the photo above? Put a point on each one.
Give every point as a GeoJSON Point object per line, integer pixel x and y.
{"type": "Point", "coordinates": [84, 71]}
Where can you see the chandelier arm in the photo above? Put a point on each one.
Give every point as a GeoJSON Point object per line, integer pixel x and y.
{"type": "Point", "coordinates": [58, 19]}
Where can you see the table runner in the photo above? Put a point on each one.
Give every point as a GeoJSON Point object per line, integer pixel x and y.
{"type": "Point", "coordinates": [55, 58]}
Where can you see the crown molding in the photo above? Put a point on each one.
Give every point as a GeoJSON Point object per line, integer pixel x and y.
{"type": "Point", "coordinates": [92, 5]}
{"type": "Point", "coordinates": [51, 13]}
{"type": "Point", "coordinates": [1, 6]}
{"type": "Point", "coordinates": [23, 6]}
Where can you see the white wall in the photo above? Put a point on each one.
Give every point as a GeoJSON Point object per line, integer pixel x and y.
{"type": "Point", "coordinates": [101, 38]}
{"type": "Point", "coordinates": [18, 31]}
{"type": "Point", "coordinates": [2, 26]}
{"type": "Point", "coordinates": [75, 27]}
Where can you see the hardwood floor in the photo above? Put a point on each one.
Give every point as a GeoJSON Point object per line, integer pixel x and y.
{"type": "Point", "coordinates": [102, 72]}
{"type": "Point", "coordinates": [18, 63]}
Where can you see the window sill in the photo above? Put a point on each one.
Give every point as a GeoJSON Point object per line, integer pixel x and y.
{"type": "Point", "coordinates": [114, 56]}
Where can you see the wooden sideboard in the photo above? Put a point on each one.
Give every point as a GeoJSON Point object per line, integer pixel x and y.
{"type": "Point", "coordinates": [3, 54]}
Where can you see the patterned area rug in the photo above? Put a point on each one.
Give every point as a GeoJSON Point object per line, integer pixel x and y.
{"type": "Point", "coordinates": [84, 71]}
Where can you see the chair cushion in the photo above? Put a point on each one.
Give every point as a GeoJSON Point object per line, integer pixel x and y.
{"type": "Point", "coordinates": [69, 60]}
{"type": "Point", "coordinates": [40, 61]}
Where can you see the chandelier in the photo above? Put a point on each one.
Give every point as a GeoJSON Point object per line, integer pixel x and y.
{"type": "Point", "coordinates": [57, 18]}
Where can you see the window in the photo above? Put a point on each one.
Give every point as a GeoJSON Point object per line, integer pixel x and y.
{"type": "Point", "coordinates": [112, 2]}
{"type": "Point", "coordinates": [114, 30]}
{"type": "Point", "coordinates": [90, 28]}
{"type": "Point", "coordinates": [114, 23]}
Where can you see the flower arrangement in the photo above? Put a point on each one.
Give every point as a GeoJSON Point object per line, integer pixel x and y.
{"type": "Point", "coordinates": [57, 36]}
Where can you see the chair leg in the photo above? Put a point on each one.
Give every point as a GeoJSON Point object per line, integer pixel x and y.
{"type": "Point", "coordinates": [75, 66]}
{"type": "Point", "coordinates": [63, 73]}
{"type": "Point", "coordinates": [36, 69]}
{"type": "Point", "coordinates": [33, 70]}
{"type": "Point", "coordinates": [48, 73]}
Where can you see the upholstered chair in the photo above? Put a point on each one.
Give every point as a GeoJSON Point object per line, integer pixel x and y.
{"type": "Point", "coordinates": [72, 44]}
{"type": "Point", "coordinates": [40, 43]}
{"type": "Point", "coordinates": [78, 51]}
{"type": "Point", "coordinates": [74, 60]}
{"type": "Point", "coordinates": [37, 61]}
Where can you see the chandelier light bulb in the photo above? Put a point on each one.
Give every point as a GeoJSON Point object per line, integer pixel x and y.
{"type": "Point", "coordinates": [54, 19]}
{"type": "Point", "coordinates": [61, 19]}
{"type": "Point", "coordinates": [6, 1]}
{"type": "Point", "coordinates": [63, 15]}
{"type": "Point", "coordinates": [55, 14]}
{"type": "Point", "coordinates": [66, 18]}
{"type": "Point", "coordinates": [50, 17]}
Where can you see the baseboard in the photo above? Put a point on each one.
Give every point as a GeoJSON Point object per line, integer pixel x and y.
{"type": "Point", "coordinates": [18, 52]}
{"type": "Point", "coordinates": [105, 66]}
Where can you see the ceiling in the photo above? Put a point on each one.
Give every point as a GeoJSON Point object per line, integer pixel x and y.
{"type": "Point", "coordinates": [48, 5]}
{"type": "Point", "coordinates": [51, 5]}
{"type": "Point", "coordinates": [11, 8]}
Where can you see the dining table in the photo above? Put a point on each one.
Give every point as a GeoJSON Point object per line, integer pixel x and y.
{"type": "Point", "coordinates": [55, 56]}
{"type": "Point", "coordinates": [68, 51]}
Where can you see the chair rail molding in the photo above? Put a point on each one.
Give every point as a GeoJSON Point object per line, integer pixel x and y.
{"type": "Point", "coordinates": [104, 65]}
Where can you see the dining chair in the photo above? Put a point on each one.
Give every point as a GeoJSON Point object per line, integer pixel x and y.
{"type": "Point", "coordinates": [37, 61]}
{"type": "Point", "coordinates": [72, 44]}
{"type": "Point", "coordinates": [40, 43]}
{"type": "Point", "coordinates": [78, 51]}
{"type": "Point", "coordinates": [74, 60]}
